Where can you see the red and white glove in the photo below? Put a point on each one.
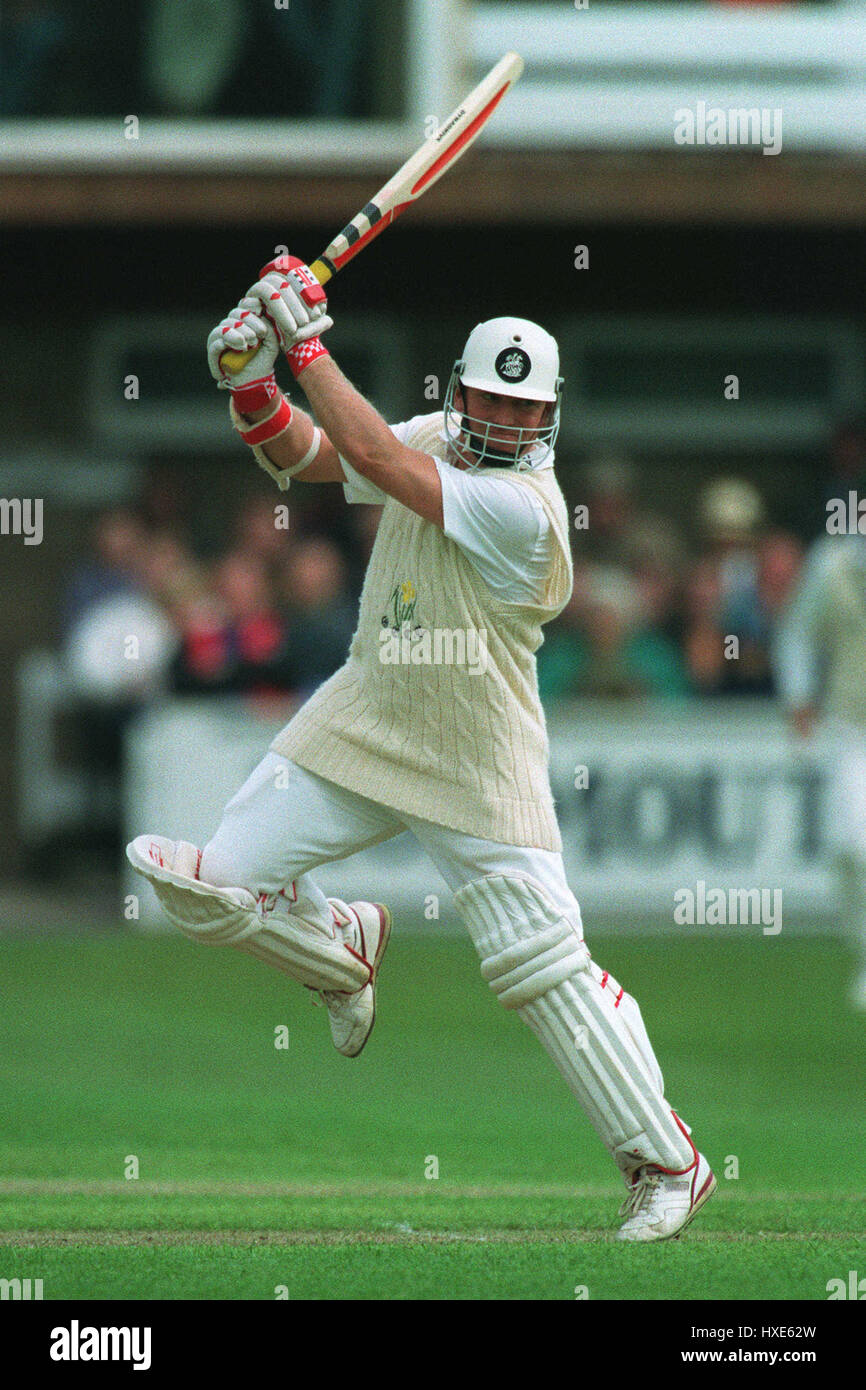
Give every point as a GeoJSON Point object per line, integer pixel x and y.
{"type": "Point", "coordinates": [246, 327]}
{"type": "Point", "coordinates": [294, 301]}
{"type": "Point", "coordinates": [286, 308]}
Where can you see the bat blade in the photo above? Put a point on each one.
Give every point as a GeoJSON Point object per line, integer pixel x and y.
{"type": "Point", "coordinates": [433, 159]}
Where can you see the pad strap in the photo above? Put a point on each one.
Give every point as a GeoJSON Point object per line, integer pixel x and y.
{"type": "Point", "coordinates": [271, 427]}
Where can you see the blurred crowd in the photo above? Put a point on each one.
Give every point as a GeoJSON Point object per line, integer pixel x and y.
{"type": "Point", "coordinates": [661, 607]}
{"type": "Point", "coordinates": [656, 612]}
{"type": "Point", "coordinates": [184, 57]}
{"type": "Point", "coordinates": [272, 614]}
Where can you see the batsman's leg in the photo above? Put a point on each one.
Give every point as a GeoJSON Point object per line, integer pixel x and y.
{"type": "Point", "coordinates": [525, 923]}
{"type": "Point", "coordinates": [534, 959]}
{"type": "Point", "coordinates": [250, 887]}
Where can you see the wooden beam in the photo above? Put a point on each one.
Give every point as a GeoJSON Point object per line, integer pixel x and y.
{"type": "Point", "coordinates": [487, 187]}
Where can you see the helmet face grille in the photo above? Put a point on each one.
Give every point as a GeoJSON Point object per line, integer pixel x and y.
{"type": "Point", "coordinates": [516, 446]}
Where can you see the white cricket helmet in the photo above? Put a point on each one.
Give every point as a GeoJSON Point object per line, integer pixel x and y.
{"type": "Point", "coordinates": [512, 357]}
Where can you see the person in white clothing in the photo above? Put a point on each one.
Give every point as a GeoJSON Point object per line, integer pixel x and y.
{"type": "Point", "coordinates": [819, 657]}
{"type": "Point", "coordinates": [433, 725]}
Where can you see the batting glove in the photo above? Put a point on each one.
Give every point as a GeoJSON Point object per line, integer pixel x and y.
{"type": "Point", "coordinates": [246, 327]}
{"type": "Point", "coordinates": [294, 300]}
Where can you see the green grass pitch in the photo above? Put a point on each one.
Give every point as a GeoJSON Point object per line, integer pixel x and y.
{"type": "Point", "coordinates": [269, 1172]}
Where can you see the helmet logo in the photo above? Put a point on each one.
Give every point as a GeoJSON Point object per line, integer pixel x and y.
{"type": "Point", "coordinates": [513, 364]}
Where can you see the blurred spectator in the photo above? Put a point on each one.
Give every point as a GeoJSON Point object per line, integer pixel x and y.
{"type": "Point", "coordinates": [322, 614]}
{"type": "Point", "coordinates": [120, 637]}
{"type": "Point", "coordinates": [33, 35]}
{"type": "Point", "coordinates": [780, 559]}
{"type": "Point", "coordinates": [169, 571]}
{"type": "Point", "coordinates": [257, 534]}
{"type": "Point", "coordinates": [656, 559]}
{"type": "Point", "coordinates": [118, 542]}
{"type": "Point", "coordinates": [704, 646]}
{"type": "Point", "coordinates": [117, 651]}
{"type": "Point", "coordinates": [231, 632]}
{"type": "Point", "coordinates": [602, 644]}
{"type": "Point", "coordinates": [736, 592]}
{"type": "Point", "coordinates": [723, 596]}
{"type": "Point", "coordinates": [117, 654]}
{"type": "Point", "coordinates": [608, 492]}
{"type": "Point", "coordinates": [846, 464]}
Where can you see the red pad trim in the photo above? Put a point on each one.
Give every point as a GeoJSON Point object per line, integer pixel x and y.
{"type": "Point", "coordinates": [363, 962]}
{"type": "Point", "coordinates": [268, 429]}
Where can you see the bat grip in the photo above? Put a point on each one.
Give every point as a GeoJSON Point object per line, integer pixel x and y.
{"type": "Point", "coordinates": [233, 362]}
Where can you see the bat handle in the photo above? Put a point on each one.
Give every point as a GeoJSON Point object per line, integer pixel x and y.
{"type": "Point", "coordinates": [233, 362]}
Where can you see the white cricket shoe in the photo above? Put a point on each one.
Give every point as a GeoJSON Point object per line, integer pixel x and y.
{"type": "Point", "coordinates": [367, 930]}
{"type": "Point", "coordinates": [660, 1205]}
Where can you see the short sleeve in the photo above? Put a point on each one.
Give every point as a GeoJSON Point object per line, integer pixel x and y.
{"type": "Point", "coordinates": [501, 526]}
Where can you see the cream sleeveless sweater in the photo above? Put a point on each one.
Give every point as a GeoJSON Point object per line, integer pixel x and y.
{"type": "Point", "coordinates": [442, 741]}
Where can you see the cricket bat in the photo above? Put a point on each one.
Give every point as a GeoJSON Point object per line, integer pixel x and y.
{"type": "Point", "coordinates": [413, 179]}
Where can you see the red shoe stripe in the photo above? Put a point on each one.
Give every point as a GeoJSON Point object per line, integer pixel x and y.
{"type": "Point", "coordinates": [696, 1199]}
{"type": "Point", "coordinates": [363, 961]}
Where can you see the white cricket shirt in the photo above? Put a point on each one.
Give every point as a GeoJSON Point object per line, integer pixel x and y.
{"type": "Point", "coordinates": [500, 526]}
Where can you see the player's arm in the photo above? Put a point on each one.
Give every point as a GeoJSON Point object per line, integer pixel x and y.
{"type": "Point", "coordinates": [287, 450]}
{"type": "Point", "coordinates": [287, 308]}
{"type": "Point", "coordinates": [357, 431]}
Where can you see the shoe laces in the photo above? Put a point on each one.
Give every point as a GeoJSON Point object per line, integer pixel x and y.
{"type": "Point", "coordinates": [644, 1187]}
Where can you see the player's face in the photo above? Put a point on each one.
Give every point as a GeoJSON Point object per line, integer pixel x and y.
{"type": "Point", "coordinates": [510, 412]}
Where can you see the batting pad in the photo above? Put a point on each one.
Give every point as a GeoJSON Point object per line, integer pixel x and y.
{"type": "Point", "coordinates": [233, 917]}
{"type": "Point", "coordinates": [535, 961]}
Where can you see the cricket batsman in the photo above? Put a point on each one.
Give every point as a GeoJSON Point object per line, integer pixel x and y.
{"type": "Point", "coordinates": [473, 544]}
{"type": "Point", "coordinates": [820, 658]}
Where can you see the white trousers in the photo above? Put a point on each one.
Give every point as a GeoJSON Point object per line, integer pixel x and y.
{"type": "Point", "coordinates": [285, 821]}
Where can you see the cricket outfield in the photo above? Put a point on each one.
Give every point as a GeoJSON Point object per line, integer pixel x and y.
{"type": "Point", "coordinates": [449, 1161]}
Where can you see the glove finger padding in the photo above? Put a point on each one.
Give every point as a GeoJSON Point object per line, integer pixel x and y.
{"type": "Point", "coordinates": [302, 298]}
{"type": "Point", "coordinates": [283, 307]}
{"type": "Point", "coordinates": [314, 329]}
{"type": "Point", "coordinates": [246, 327]}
